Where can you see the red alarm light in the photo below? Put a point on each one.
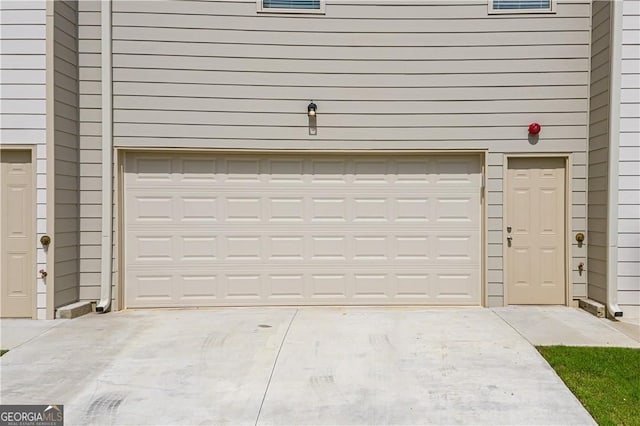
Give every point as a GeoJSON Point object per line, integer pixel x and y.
{"type": "Point", "coordinates": [534, 128]}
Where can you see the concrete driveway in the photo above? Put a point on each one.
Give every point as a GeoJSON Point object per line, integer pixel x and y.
{"type": "Point", "coordinates": [347, 366]}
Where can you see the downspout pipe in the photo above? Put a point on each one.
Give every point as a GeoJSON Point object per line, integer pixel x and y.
{"type": "Point", "coordinates": [613, 310]}
{"type": "Point", "coordinates": [106, 269]}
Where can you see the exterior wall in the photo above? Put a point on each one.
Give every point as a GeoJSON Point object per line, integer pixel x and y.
{"type": "Point", "coordinates": [23, 102]}
{"type": "Point", "coordinates": [187, 75]}
{"type": "Point", "coordinates": [422, 76]}
{"type": "Point", "coordinates": [629, 164]}
{"type": "Point", "coordinates": [219, 75]}
{"type": "Point", "coordinates": [599, 151]}
{"type": "Point", "coordinates": [578, 223]}
{"type": "Point", "coordinates": [66, 154]}
{"type": "Point", "coordinates": [628, 194]}
{"type": "Point", "coordinates": [90, 99]}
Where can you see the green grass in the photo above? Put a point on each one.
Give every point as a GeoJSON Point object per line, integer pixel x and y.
{"type": "Point", "coordinates": [605, 380]}
{"type": "Point", "coordinates": [3, 351]}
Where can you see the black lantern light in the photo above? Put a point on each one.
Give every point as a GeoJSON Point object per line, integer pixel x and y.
{"type": "Point", "coordinates": [311, 109]}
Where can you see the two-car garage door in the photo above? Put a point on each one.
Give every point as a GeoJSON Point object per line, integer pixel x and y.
{"type": "Point", "coordinates": [301, 229]}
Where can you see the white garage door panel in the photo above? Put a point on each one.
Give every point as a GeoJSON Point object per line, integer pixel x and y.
{"type": "Point", "coordinates": [263, 229]}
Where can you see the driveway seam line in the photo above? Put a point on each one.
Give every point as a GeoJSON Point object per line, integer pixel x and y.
{"type": "Point", "coordinates": [513, 328]}
{"type": "Point", "coordinates": [34, 337]}
{"type": "Point", "coordinates": [273, 369]}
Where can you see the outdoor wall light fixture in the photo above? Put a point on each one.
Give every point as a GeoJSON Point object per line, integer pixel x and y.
{"type": "Point", "coordinates": [45, 240]}
{"type": "Point", "coordinates": [534, 128]}
{"type": "Point", "coordinates": [311, 109]}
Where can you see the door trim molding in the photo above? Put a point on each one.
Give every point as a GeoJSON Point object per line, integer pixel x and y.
{"type": "Point", "coordinates": [568, 268]}
{"type": "Point", "coordinates": [32, 149]}
{"type": "Point", "coordinates": [118, 199]}
{"type": "Point", "coordinates": [484, 230]}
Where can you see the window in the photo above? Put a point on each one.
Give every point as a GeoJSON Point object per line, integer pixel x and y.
{"type": "Point", "coordinates": [512, 6]}
{"type": "Point", "coordinates": [291, 6]}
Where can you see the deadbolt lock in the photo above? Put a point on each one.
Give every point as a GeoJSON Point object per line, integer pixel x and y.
{"type": "Point", "coordinates": [579, 237]}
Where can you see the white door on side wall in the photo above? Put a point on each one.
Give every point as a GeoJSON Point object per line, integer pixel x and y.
{"type": "Point", "coordinates": [302, 229]}
{"type": "Point", "coordinates": [535, 234]}
{"type": "Point", "coordinates": [17, 245]}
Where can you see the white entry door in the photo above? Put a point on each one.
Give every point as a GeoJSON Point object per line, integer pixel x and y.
{"type": "Point", "coordinates": [236, 230]}
{"type": "Point", "coordinates": [17, 274]}
{"type": "Point", "coordinates": [536, 231]}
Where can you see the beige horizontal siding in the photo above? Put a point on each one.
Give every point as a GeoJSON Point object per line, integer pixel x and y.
{"type": "Point", "coordinates": [508, 145]}
{"type": "Point", "coordinates": [343, 120]}
{"type": "Point", "coordinates": [347, 9]}
{"type": "Point", "coordinates": [327, 23]}
{"type": "Point", "coordinates": [597, 240]}
{"type": "Point", "coordinates": [66, 152]}
{"type": "Point", "coordinates": [435, 61]}
{"type": "Point", "coordinates": [360, 106]}
{"type": "Point", "coordinates": [578, 215]}
{"type": "Point", "coordinates": [495, 227]}
{"type": "Point", "coordinates": [327, 66]}
{"type": "Point", "coordinates": [23, 102]}
{"type": "Point", "coordinates": [350, 53]}
{"type": "Point", "coordinates": [203, 70]}
{"type": "Point", "coordinates": [385, 75]}
{"type": "Point", "coordinates": [90, 143]}
{"type": "Point", "coordinates": [186, 131]}
{"type": "Point", "coordinates": [370, 94]}
{"type": "Point", "coordinates": [306, 38]}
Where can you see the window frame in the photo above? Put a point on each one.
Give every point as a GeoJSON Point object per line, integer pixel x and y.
{"type": "Point", "coordinates": [262, 9]}
{"type": "Point", "coordinates": [492, 11]}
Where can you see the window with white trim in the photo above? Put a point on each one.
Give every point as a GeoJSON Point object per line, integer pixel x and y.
{"type": "Point", "coordinates": [521, 5]}
{"type": "Point", "coordinates": [301, 6]}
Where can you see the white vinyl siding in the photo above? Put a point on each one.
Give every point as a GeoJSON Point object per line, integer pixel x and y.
{"type": "Point", "coordinates": [627, 268]}
{"type": "Point", "coordinates": [23, 102]}
{"type": "Point", "coordinates": [629, 165]}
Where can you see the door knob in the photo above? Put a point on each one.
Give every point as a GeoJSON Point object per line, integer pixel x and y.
{"type": "Point", "coordinates": [509, 238]}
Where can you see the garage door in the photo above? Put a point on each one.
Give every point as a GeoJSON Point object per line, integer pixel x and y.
{"type": "Point", "coordinates": [240, 230]}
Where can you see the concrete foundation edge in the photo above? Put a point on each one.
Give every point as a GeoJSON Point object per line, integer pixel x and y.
{"type": "Point", "coordinates": [75, 310]}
